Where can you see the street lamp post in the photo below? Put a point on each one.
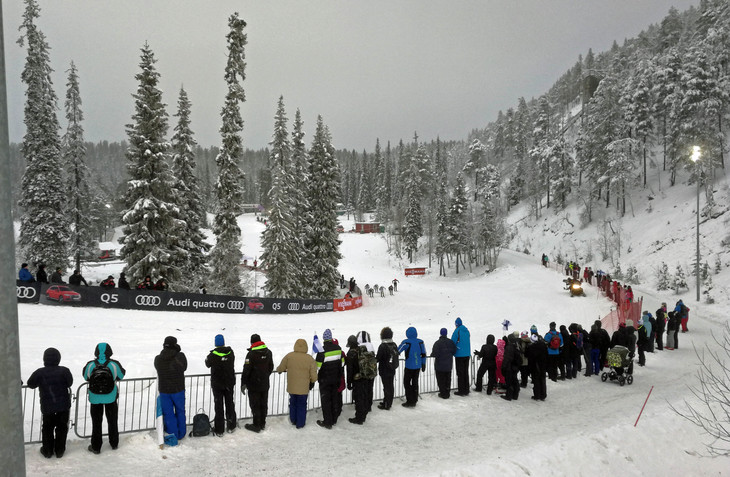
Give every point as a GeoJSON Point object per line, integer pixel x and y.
{"type": "Point", "coordinates": [696, 154]}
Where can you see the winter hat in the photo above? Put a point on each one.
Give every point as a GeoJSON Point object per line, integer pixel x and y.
{"type": "Point", "coordinates": [255, 338]}
{"type": "Point", "coordinates": [516, 334]}
{"type": "Point", "coordinates": [352, 341]}
{"type": "Point", "coordinates": [444, 331]}
{"type": "Point", "coordinates": [458, 322]}
{"type": "Point", "coordinates": [170, 342]}
{"type": "Point", "coordinates": [219, 341]}
{"type": "Point", "coordinates": [524, 334]}
{"type": "Point", "coordinates": [552, 325]}
{"type": "Point", "coordinates": [327, 335]}
{"type": "Point", "coordinates": [386, 333]}
{"type": "Point", "coordinates": [629, 323]}
{"type": "Point", "coordinates": [533, 329]}
{"type": "Point", "coordinates": [534, 338]}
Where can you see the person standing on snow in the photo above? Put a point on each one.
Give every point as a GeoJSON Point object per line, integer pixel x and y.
{"type": "Point", "coordinates": [329, 364]}
{"type": "Point", "coordinates": [554, 341]}
{"type": "Point", "coordinates": [488, 355]}
{"type": "Point", "coordinates": [222, 361]}
{"type": "Point", "coordinates": [460, 337]}
{"type": "Point", "coordinates": [257, 368]}
{"type": "Point", "coordinates": [53, 381]}
{"type": "Point", "coordinates": [24, 274]}
{"type": "Point", "coordinates": [661, 322]}
{"type": "Point", "coordinates": [301, 374]}
{"type": "Point", "coordinates": [355, 382]}
{"type": "Point", "coordinates": [537, 354]}
{"type": "Point", "coordinates": [415, 352]}
{"type": "Point", "coordinates": [363, 339]}
{"type": "Point", "coordinates": [443, 352]}
{"type": "Point", "coordinates": [171, 364]}
{"type": "Point", "coordinates": [102, 374]}
{"type": "Point", "coordinates": [387, 358]}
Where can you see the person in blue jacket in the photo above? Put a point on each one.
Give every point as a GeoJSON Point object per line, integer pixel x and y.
{"type": "Point", "coordinates": [415, 352]}
{"type": "Point", "coordinates": [53, 381]}
{"type": "Point", "coordinates": [24, 274]}
{"type": "Point", "coordinates": [554, 352]}
{"type": "Point", "coordinates": [103, 403]}
{"type": "Point", "coordinates": [460, 337]}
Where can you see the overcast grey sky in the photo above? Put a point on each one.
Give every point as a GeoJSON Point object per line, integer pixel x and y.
{"type": "Point", "coordinates": [371, 68]}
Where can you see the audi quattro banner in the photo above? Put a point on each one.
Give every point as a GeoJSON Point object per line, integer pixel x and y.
{"type": "Point", "coordinates": [282, 305]}
{"type": "Point", "coordinates": [27, 292]}
{"type": "Point", "coordinates": [168, 301]}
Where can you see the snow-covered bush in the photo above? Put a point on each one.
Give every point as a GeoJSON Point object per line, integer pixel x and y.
{"type": "Point", "coordinates": [680, 279]}
{"type": "Point", "coordinates": [662, 277]}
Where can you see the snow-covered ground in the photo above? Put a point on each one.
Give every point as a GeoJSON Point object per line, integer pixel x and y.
{"type": "Point", "coordinates": [585, 427]}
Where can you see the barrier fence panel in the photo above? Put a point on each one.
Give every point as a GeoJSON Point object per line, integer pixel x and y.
{"type": "Point", "coordinates": [138, 398]}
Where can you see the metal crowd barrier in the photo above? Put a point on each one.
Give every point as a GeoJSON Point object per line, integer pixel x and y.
{"type": "Point", "coordinates": [138, 397]}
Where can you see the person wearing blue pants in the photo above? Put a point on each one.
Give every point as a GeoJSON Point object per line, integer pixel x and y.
{"type": "Point", "coordinates": [171, 364]}
{"type": "Point", "coordinates": [301, 374]}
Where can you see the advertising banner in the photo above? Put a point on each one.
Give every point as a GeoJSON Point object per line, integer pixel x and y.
{"type": "Point", "coordinates": [348, 303]}
{"type": "Point", "coordinates": [415, 271]}
{"type": "Point", "coordinates": [27, 292]}
{"type": "Point", "coordinates": [283, 305]}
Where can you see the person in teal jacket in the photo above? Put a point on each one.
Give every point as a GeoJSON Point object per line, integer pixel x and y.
{"type": "Point", "coordinates": [460, 337]}
{"type": "Point", "coordinates": [553, 361]}
{"type": "Point", "coordinates": [415, 352]}
{"type": "Point", "coordinates": [109, 371]}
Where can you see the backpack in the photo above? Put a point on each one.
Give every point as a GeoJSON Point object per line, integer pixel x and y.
{"type": "Point", "coordinates": [579, 340]}
{"type": "Point", "coordinates": [367, 363]}
{"type": "Point", "coordinates": [201, 425]}
{"type": "Point", "coordinates": [555, 341]}
{"type": "Point", "coordinates": [101, 380]}
{"type": "Point", "coordinates": [394, 360]}
{"type": "Point", "coordinates": [517, 360]}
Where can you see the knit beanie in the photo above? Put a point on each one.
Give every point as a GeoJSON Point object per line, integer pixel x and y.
{"type": "Point", "coordinates": [170, 342]}
{"type": "Point", "coordinates": [327, 335]}
{"type": "Point", "coordinates": [533, 329]}
{"type": "Point", "coordinates": [255, 338]}
{"type": "Point", "coordinates": [444, 331]}
{"type": "Point", "coordinates": [386, 333]}
{"type": "Point", "coordinates": [219, 341]}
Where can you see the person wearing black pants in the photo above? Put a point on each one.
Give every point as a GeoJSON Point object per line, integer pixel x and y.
{"type": "Point", "coordinates": [537, 362]}
{"type": "Point", "coordinates": [387, 358]}
{"type": "Point", "coordinates": [488, 355]}
{"type": "Point", "coordinates": [357, 384]}
{"type": "Point", "coordinates": [329, 375]}
{"type": "Point", "coordinates": [103, 395]}
{"type": "Point", "coordinates": [221, 362]}
{"type": "Point", "coordinates": [661, 321]}
{"type": "Point", "coordinates": [54, 430]}
{"type": "Point", "coordinates": [257, 368]}
{"type": "Point", "coordinates": [415, 354]}
{"type": "Point", "coordinates": [410, 384]}
{"type": "Point", "coordinates": [461, 339]}
{"type": "Point", "coordinates": [443, 353]}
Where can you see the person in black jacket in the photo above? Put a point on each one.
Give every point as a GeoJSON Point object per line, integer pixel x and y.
{"type": "Point", "coordinates": [661, 321]}
{"type": "Point", "coordinates": [443, 351]}
{"type": "Point", "coordinates": [604, 342]}
{"type": "Point", "coordinates": [222, 361]}
{"type": "Point", "coordinates": [537, 362]}
{"type": "Point", "coordinates": [257, 368]}
{"type": "Point", "coordinates": [329, 375]}
{"type": "Point", "coordinates": [171, 364]}
{"type": "Point", "coordinates": [57, 276]}
{"type": "Point", "coordinates": [123, 283]}
{"type": "Point", "coordinates": [510, 367]}
{"type": "Point", "coordinates": [388, 361]}
{"type": "Point", "coordinates": [355, 382]}
{"type": "Point", "coordinates": [41, 275]}
{"type": "Point", "coordinates": [488, 355]}
{"type": "Point", "coordinates": [53, 381]}
{"type": "Point", "coordinates": [77, 279]}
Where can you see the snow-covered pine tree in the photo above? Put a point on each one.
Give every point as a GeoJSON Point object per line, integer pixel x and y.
{"type": "Point", "coordinates": [662, 278]}
{"type": "Point", "coordinates": [413, 227]}
{"type": "Point", "coordinates": [44, 228]}
{"type": "Point", "coordinates": [680, 280]}
{"type": "Point", "coordinates": [705, 270]}
{"type": "Point", "coordinates": [301, 208]}
{"type": "Point", "coordinates": [492, 228]}
{"type": "Point", "coordinates": [632, 275]}
{"type": "Point", "coordinates": [442, 224]}
{"type": "Point", "coordinates": [81, 242]}
{"type": "Point", "coordinates": [638, 103]}
{"type": "Point", "coordinates": [280, 240]}
{"type": "Point", "coordinates": [364, 196]}
{"type": "Point", "coordinates": [618, 274]}
{"type": "Point", "coordinates": [226, 255]}
{"type": "Point", "coordinates": [718, 264]}
{"type": "Point", "coordinates": [459, 230]}
{"type": "Point", "coordinates": [324, 193]}
{"type": "Point", "coordinates": [188, 197]}
{"type": "Point", "coordinates": [151, 240]}
{"type": "Point", "coordinates": [707, 290]}
{"type": "Point", "coordinates": [621, 163]}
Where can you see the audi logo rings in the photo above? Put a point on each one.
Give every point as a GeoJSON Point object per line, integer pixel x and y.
{"type": "Point", "coordinates": [293, 307]}
{"type": "Point", "coordinates": [27, 293]}
{"type": "Point", "coordinates": [236, 305]}
{"type": "Point", "coordinates": [148, 300]}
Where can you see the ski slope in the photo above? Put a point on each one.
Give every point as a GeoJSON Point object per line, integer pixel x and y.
{"type": "Point", "coordinates": [585, 427]}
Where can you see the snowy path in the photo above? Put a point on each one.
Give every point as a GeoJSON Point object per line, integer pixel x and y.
{"type": "Point", "coordinates": [584, 428]}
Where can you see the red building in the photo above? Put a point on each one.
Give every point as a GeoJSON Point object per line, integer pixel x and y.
{"type": "Point", "coordinates": [367, 227]}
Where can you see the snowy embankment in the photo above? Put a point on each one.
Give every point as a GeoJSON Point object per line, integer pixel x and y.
{"type": "Point", "coordinates": [585, 427]}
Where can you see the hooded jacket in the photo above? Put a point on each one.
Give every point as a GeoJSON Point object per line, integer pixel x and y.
{"type": "Point", "coordinates": [488, 353]}
{"type": "Point", "coordinates": [222, 363]}
{"type": "Point", "coordinates": [443, 352]}
{"type": "Point", "coordinates": [461, 339]}
{"type": "Point", "coordinates": [103, 353]}
{"type": "Point", "coordinates": [549, 336]}
{"type": "Point", "coordinates": [301, 369]}
{"type": "Point", "coordinates": [330, 362]}
{"type": "Point", "coordinates": [171, 364]}
{"type": "Point", "coordinates": [257, 368]}
{"type": "Point", "coordinates": [414, 349]}
{"type": "Point", "coordinates": [53, 381]}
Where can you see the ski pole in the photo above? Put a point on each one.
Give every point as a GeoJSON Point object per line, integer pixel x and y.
{"type": "Point", "coordinates": [642, 407]}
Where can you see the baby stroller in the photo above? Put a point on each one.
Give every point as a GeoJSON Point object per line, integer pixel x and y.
{"type": "Point", "coordinates": [621, 365]}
